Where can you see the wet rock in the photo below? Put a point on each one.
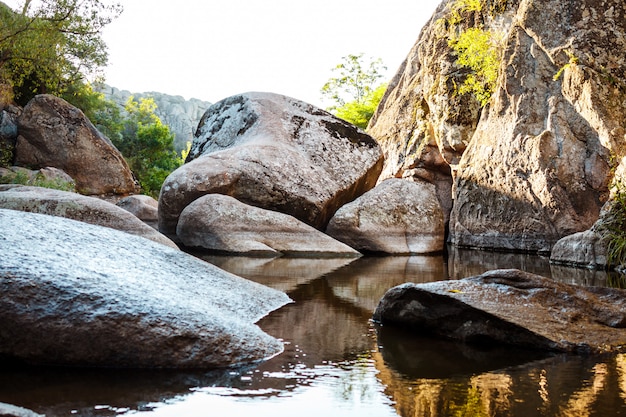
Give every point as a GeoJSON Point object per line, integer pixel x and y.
{"type": "Point", "coordinates": [144, 207]}
{"type": "Point", "coordinates": [77, 207]}
{"type": "Point", "coordinates": [397, 217]}
{"type": "Point", "coordinates": [276, 153]}
{"type": "Point", "coordinates": [54, 133]}
{"type": "Point", "coordinates": [511, 307]}
{"type": "Point", "coordinates": [8, 410]}
{"type": "Point", "coordinates": [83, 295]}
{"type": "Point", "coordinates": [221, 223]}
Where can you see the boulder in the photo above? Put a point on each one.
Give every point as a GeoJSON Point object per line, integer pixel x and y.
{"type": "Point", "coordinates": [276, 153]}
{"type": "Point", "coordinates": [54, 133]}
{"type": "Point", "coordinates": [511, 307]}
{"type": "Point", "coordinates": [9, 410]}
{"type": "Point", "coordinates": [144, 207]}
{"type": "Point", "coordinates": [586, 249]}
{"type": "Point", "coordinates": [221, 223]}
{"type": "Point", "coordinates": [75, 294]}
{"type": "Point", "coordinates": [77, 207]}
{"type": "Point", "coordinates": [397, 216]}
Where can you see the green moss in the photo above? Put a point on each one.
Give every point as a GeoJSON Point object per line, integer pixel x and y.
{"type": "Point", "coordinates": [38, 181]}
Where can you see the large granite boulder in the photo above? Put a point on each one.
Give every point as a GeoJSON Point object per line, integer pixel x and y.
{"type": "Point", "coordinates": [273, 152]}
{"type": "Point", "coordinates": [221, 223]}
{"type": "Point", "coordinates": [511, 307]}
{"type": "Point", "coordinates": [532, 165]}
{"type": "Point", "coordinates": [397, 216]}
{"type": "Point", "coordinates": [77, 207]}
{"type": "Point", "coordinates": [83, 295]}
{"type": "Point", "coordinates": [54, 133]}
{"type": "Point", "coordinates": [144, 207]}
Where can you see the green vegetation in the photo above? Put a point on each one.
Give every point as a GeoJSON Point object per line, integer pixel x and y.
{"type": "Point", "coordinates": [573, 60]}
{"type": "Point", "coordinates": [51, 45]}
{"type": "Point", "coordinates": [614, 227]}
{"type": "Point", "coordinates": [355, 91]}
{"type": "Point", "coordinates": [37, 181]}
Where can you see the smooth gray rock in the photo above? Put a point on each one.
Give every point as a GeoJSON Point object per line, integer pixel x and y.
{"type": "Point", "coordinates": [9, 410]}
{"type": "Point", "coordinates": [221, 223]}
{"type": "Point", "coordinates": [144, 207]}
{"type": "Point", "coordinates": [397, 216]}
{"type": "Point", "coordinates": [511, 307]}
{"type": "Point", "coordinates": [78, 207]}
{"type": "Point", "coordinates": [81, 295]}
{"type": "Point", "coordinates": [273, 152]}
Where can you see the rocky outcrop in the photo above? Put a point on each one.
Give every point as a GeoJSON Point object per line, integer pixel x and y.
{"type": "Point", "coordinates": [180, 115]}
{"type": "Point", "coordinates": [397, 216]}
{"type": "Point", "coordinates": [83, 295]}
{"type": "Point", "coordinates": [511, 307]}
{"type": "Point", "coordinates": [144, 207]}
{"type": "Point", "coordinates": [534, 165]}
{"type": "Point", "coordinates": [52, 133]}
{"type": "Point", "coordinates": [77, 207]}
{"type": "Point", "coordinates": [8, 410]}
{"type": "Point", "coordinates": [221, 223]}
{"type": "Point", "coordinates": [273, 152]}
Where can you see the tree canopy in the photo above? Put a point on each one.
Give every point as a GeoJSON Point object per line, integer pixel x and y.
{"type": "Point", "coordinates": [48, 46]}
{"type": "Point", "coordinates": [355, 90]}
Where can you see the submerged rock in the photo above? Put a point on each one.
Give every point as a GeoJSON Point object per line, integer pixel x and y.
{"type": "Point", "coordinates": [77, 207]}
{"type": "Point", "coordinates": [221, 223]}
{"type": "Point", "coordinates": [276, 153]}
{"type": "Point", "coordinates": [397, 216]}
{"type": "Point", "coordinates": [511, 307]}
{"type": "Point", "coordinates": [81, 295]}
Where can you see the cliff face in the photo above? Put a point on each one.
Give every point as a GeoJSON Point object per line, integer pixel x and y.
{"type": "Point", "coordinates": [180, 115]}
{"type": "Point", "coordinates": [534, 164]}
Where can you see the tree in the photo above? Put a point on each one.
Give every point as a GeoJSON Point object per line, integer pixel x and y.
{"type": "Point", "coordinates": [355, 91]}
{"type": "Point", "coordinates": [50, 45]}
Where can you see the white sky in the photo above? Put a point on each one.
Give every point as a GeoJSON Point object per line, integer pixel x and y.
{"type": "Point", "coordinates": [212, 49]}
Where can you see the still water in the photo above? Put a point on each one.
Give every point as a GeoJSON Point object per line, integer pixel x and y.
{"type": "Point", "coordinates": [338, 363]}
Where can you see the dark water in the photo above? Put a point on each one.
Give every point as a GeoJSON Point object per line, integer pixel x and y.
{"type": "Point", "coordinates": [337, 363]}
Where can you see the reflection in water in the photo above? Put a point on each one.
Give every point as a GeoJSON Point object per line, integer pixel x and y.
{"type": "Point", "coordinates": [336, 362]}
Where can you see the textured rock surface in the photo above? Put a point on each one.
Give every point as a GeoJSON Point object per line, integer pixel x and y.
{"type": "Point", "coordinates": [8, 410]}
{"type": "Point", "coordinates": [180, 115]}
{"type": "Point", "coordinates": [397, 216]}
{"type": "Point", "coordinates": [511, 307]}
{"type": "Point", "coordinates": [52, 133]}
{"type": "Point", "coordinates": [77, 207]}
{"type": "Point", "coordinates": [580, 249]}
{"type": "Point", "coordinates": [221, 223]}
{"type": "Point", "coordinates": [534, 166]}
{"type": "Point", "coordinates": [276, 153]}
{"type": "Point", "coordinates": [144, 207]}
{"type": "Point", "coordinates": [82, 295]}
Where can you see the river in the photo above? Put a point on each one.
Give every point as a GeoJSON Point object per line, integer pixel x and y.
{"type": "Point", "coordinates": [338, 363]}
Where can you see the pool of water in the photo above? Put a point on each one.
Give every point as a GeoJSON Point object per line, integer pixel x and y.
{"type": "Point", "coordinates": [338, 363]}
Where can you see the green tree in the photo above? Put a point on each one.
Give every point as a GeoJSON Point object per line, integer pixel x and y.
{"type": "Point", "coordinates": [355, 90]}
{"type": "Point", "coordinates": [47, 46]}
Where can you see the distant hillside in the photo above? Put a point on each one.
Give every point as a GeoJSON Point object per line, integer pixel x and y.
{"type": "Point", "coordinates": [182, 116]}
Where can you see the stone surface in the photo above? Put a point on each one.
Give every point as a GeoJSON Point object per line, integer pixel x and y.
{"type": "Point", "coordinates": [144, 207]}
{"type": "Point", "coordinates": [53, 133]}
{"type": "Point", "coordinates": [221, 223]}
{"type": "Point", "coordinates": [397, 216]}
{"type": "Point", "coordinates": [276, 153]}
{"type": "Point", "coordinates": [9, 410]}
{"type": "Point", "coordinates": [82, 295]}
{"type": "Point", "coordinates": [77, 207]}
{"type": "Point", "coordinates": [534, 164]}
{"type": "Point", "coordinates": [512, 307]}
{"type": "Point", "coordinates": [586, 249]}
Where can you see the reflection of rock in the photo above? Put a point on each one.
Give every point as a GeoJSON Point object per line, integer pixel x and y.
{"type": "Point", "coordinates": [469, 262]}
{"type": "Point", "coordinates": [511, 307]}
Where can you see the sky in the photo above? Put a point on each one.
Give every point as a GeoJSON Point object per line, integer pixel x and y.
{"type": "Point", "coordinates": [213, 49]}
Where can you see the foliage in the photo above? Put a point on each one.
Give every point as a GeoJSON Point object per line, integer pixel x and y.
{"type": "Point", "coordinates": [613, 228]}
{"type": "Point", "coordinates": [50, 45]}
{"type": "Point", "coordinates": [37, 181]}
{"type": "Point", "coordinates": [360, 113]}
{"type": "Point", "coordinates": [573, 60]}
{"type": "Point", "coordinates": [354, 90]}
{"type": "Point", "coordinates": [147, 144]}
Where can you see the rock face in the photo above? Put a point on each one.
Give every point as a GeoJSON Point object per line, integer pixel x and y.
{"type": "Point", "coordinates": [273, 152]}
{"type": "Point", "coordinates": [82, 295]}
{"type": "Point", "coordinates": [54, 133]}
{"type": "Point", "coordinates": [8, 410]}
{"type": "Point", "coordinates": [397, 216]}
{"type": "Point", "coordinates": [77, 207]}
{"type": "Point", "coordinates": [223, 224]}
{"type": "Point", "coordinates": [144, 207]}
{"type": "Point", "coordinates": [535, 165]}
{"type": "Point", "coordinates": [511, 307]}
{"type": "Point", "coordinates": [180, 115]}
